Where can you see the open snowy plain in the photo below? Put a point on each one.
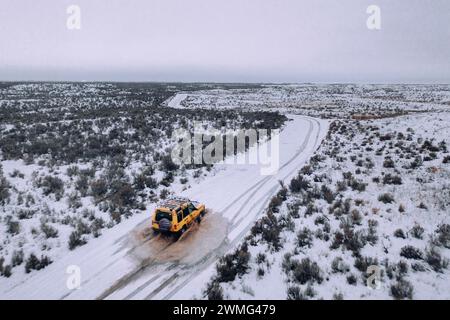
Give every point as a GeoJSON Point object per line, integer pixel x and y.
{"type": "Point", "coordinates": [359, 207]}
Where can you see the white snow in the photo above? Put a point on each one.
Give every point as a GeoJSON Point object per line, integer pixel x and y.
{"type": "Point", "coordinates": [238, 193]}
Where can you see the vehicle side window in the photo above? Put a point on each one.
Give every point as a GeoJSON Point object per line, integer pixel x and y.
{"type": "Point", "coordinates": [179, 216]}
{"type": "Point", "coordinates": [191, 208]}
{"type": "Point", "coordinates": [186, 212]}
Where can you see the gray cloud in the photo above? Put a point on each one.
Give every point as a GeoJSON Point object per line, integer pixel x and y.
{"type": "Point", "coordinates": [226, 40]}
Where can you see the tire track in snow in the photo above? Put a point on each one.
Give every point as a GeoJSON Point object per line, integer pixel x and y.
{"type": "Point", "coordinates": [187, 272]}
{"type": "Point", "coordinates": [191, 270]}
{"type": "Point", "coordinates": [266, 196]}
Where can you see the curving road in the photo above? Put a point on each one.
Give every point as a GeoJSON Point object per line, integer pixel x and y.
{"type": "Point", "coordinates": [127, 263]}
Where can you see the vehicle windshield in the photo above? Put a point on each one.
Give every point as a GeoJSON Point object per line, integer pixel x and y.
{"type": "Point", "coordinates": [163, 215]}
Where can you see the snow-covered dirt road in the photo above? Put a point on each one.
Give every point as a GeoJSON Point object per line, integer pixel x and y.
{"type": "Point", "coordinates": [126, 262]}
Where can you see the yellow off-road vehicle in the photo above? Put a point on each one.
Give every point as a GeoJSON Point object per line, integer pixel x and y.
{"type": "Point", "coordinates": [176, 215]}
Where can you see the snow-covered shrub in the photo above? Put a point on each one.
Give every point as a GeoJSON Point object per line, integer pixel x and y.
{"type": "Point", "coordinates": [388, 163]}
{"type": "Point", "coordinates": [5, 270]}
{"type": "Point", "coordinates": [304, 238]}
{"type": "Point", "coordinates": [294, 293]}
{"type": "Point", "coordinates": [340, 208]}
{"type": "Point", "coordinates": [99, 188]}
{"type": "Point", "coordinates": [435, 260]}
{"type": "Point", "coordinates": [4, 190]}
{"type": "Point", "coordinates": [167, 163]}
{"type": "Point", "coordinates": [391, 179]}
{"type": "Point", "coordinates": [402, 290]}
{"type": "Point", "coordinates": [214, 291]}
{"type": "Point", "coordinates": [356, 217]}
{"type": "Point", "coordinates": [52, 185]}
{"type": "Point", "coordinates": [410, 252]}
{"type": "Point", "coordinates": [417, 231]}
{"type": "Point", "coordinates": [443, 235]}
{"type": "Point", "coordinates": [164, 194]}
{"type": "Point", "coordinates": [17, 258]}
{"type": "Point", "coordinates": [416, 163]}
{"type": "Point", "coordinates": [12, 226]}
{"type": "Point", "coordinates": [352, 280]}
{"type": "Point", "coordinates": [399, 233]}
{"type": "Point", "coordinates": [34, 263]}
{"type": "Point", "coordinates": [327, 194]}
{"type": "Point", "coordinates": [76, 240]}
{"type": "Point", "coordinates": [293, 209]}
{"type": "Point", "coordinates": [362, 263]}
{"type": "Point", "coordinates": [49, 231]}
{"type": "Point", "coordinates": [233, 264]}
{"type": "Point", "coordinates": [386, 198]}
{"type": "Point", "coordinates": [339, 266]}
{"type": "Point", "coordinates": [269, 229]}
{"type": "Point", "coordinates": [356, 184]}
{"type": "Point", "coordinates": [298, 184]}
{"type": "Point", "coordinates": [306, 271]}
{"type": "Point", "coordinates": [371, 235]}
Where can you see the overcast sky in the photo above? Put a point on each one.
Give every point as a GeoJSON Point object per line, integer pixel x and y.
{"type": "Point", "coordinates": [226, 40]}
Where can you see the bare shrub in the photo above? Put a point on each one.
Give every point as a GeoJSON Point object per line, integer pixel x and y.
{"type": "Point", "coordinates": [410, 252]}
{"type": "Point", "coordinates": [402, 290]}
{"type": "Point", "coordinates": [417, 231]}
{"type": "Point", "coordinates": [214, 291]}
{"type": "Point", "coordinates": [386, 198]}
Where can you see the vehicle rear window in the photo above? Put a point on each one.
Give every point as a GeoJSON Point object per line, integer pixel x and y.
{"type": "Point", "coordinates": [186, 212]}
{"type": "Point", "coordinates": [163, 215]}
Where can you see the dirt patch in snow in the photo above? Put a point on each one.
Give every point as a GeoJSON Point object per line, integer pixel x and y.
{"type": "Point", "coordinates": [200, 240]}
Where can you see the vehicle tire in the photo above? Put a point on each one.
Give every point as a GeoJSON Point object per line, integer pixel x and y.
{"type": "Point", "coordinates": [199, 218]}
{"type": "Point", "coordinates": [181, 232]}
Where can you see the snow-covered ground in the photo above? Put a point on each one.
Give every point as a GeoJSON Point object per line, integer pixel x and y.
{"type": "Point", "coordinates": [109, 267]}
{"type": "Point", "coordinates": [375, 193]}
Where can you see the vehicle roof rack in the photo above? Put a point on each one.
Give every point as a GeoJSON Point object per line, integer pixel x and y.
{"type": "Point", "coordinates": [173, 202]}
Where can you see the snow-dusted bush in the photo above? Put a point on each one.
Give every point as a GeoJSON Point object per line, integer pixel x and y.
{"type": "Point", "coordinates": [443, 235]}
{"type": "Point", "coordinates": [12, 226]}
{"type": "Point", "coordinates": [5, 270]}
{"type": "Point", "coordinates": [392, 179]}
{"type": "Point", "coordinates": [306, 271]}
{"type": "Point", "coordinates": [167, 164]}
{"type": "Point", "coordinates": [52, 185]}
{"type": "Point", "coordinates": [435, 260]}
{"type": "Point", "coordinates": [233, 264]}
{"type": "Point", "coordinates": [294, 293]}
{"type": "Point", "coordinates": [386, 198]}
{"type": "Point", "coordinates": [298, 184]}
{"type": "Point", "coordinates": [339, 266]}
{"type": "Point", "coordinates": [76, 240]}
{"type": "Point", "coordinates": [417, 231]}
{"type": "Point", "coordinates": [269, 229]}
{"type": "Point", "coordinates": [410, 252]}
{"type": "Point", "coordinates": [17, 258]}
{"type": "Point", "coordinates": [214, 291]}
{"type": "Point", "coordinates": [399, 233]}
{"type": "Point", "coordinates": [48, 230]}
{"type": "Point", "coordinates": [304, 237]}
{"type": "Point", "coordinates": [402, 290]}
{"type": "Point", "coordinates": [34, 263]}
{"type": "Point", "coordinates": [4, 190]}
